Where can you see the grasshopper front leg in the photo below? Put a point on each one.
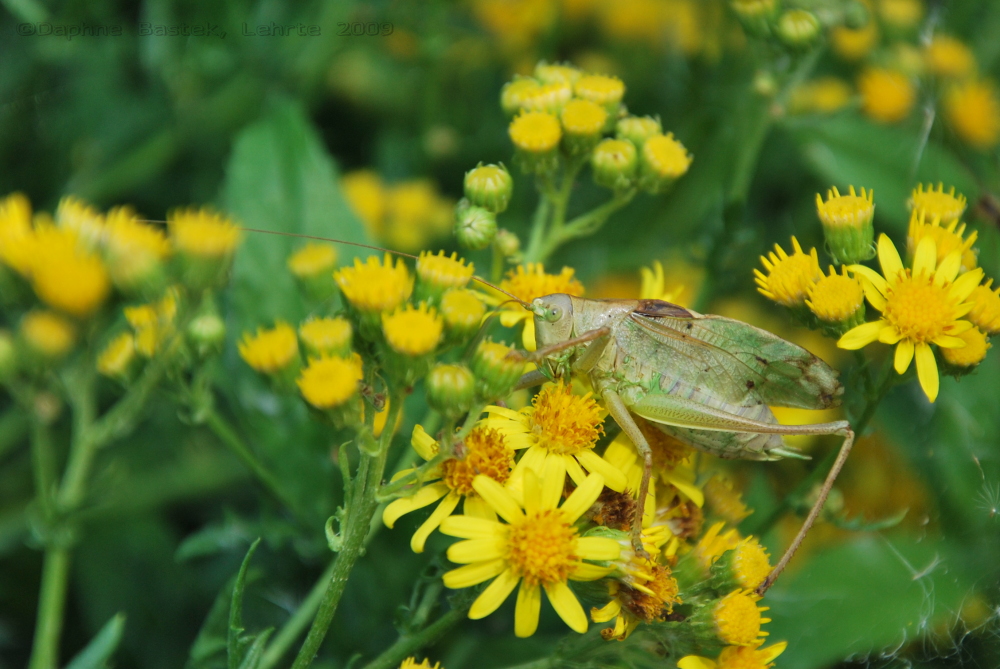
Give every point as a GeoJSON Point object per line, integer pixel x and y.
{"type": "Point", "coordinates": [619, 411]}
{"type": "Point", "coordinates": [598, 340]}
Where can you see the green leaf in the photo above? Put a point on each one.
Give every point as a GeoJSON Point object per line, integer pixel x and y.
{"type": "Point", "coordinates": [234, 641]}
{"type": "Point", "coordinates": [256, 650]}
{"type": "Point", "coordinates": [101, 647]}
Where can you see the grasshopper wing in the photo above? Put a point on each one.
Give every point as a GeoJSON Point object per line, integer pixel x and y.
{"type": "Point", "coordinates": [743, 364]}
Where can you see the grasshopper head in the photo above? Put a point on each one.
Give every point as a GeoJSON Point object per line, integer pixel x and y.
{"type": "Point", "coordinates": [553, 318]}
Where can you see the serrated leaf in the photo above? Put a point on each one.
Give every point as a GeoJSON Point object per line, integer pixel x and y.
{"type": "Point", "coordinates": [233, 639]}
{"type": "Point", "coordinates": [101, 647]}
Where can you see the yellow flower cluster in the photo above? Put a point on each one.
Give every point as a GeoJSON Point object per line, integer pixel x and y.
{"type": "Point", "coordinates": [405, 216]}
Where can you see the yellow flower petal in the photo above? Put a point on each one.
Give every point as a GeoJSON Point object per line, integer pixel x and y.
{"type": "Point", "coordinates": [927, 371]}
{"type": "Point", "coordinates": [493, 596]}
{"type": "Point", "coordinates": [402, 506]}
{"type": "Point", "coordinates": [686, 486]}
{"type": "Point", "coordinates": [889, 335]}
{"type": "Point", "coordinates": [965, 284]}
{"type": "Point", "coordinates": [581, 499]}
{"type": "Point", "coordinates": [531, 491]}
{"type": "Point", "coordinates": [614, 478]}
{"type": "Point", "coordinates": [498, 498]}
{"type": "Point", "coordinates": [553, 482]}
{"type": "Point", "coordinates": [598, 548]}
{"type": "Point", "coordinates": [528, 335]}
{"type": "Point", "coordinates": [442, 511]}
{"type": "Point", "coordinates": [771, 652]}
{"type": "Point", "coordinates": [467, 527]}
{"type": "Point", "coordinates": [529, 603]}
{"type": "Point", "coordinates": [585, 571]}
{"type": "Point", "coordinates": [474, 574]}
{"type": "Point", "coordinates": [476, 550]}
{"type": "Point", "coordinates": [945, 341]}
{"type": "Point", "coordinates": [904, 354]}
{"type": "Point", "coordinates": [948, 269]}
{"type": "Point", "coordinates": [606, 612]}
{"type": "Point", "coordinates": [423, 443]}
{"type": "Point", "coordinates": [510, 318]}
{"type": "Point", "coordinates": [925, 257]}
{"type": "Point", "coordinates": [877, 281]}
{"type": "Point", "coordinates": [861, 336]}
{"type": "Point", "coordinates": [888, 258]}
{"type": "Point", "coordinates": [476, 508]}
{"type": "Point", "coordinates": [567, 606]}
{"type": "Point", "coordinates": [575, 471]}
{"type": "Point", "coordinates": [695, 662]}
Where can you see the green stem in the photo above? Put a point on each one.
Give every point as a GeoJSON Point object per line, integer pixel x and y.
{"type": "Point", "coordinates": [408, 644]}
{"type": "Point", "coordinates": [13, 428]}
{"type": "Point", "coordinates": [356, 525]}
{"type": "Point", "coordinates": [227, 434]}
{"type": "Point", "coordinates": [538, 228]}
{"type": "Point", "coordinates": [52, 601]}
{"type": "Point", "coordinates": [297, 624]}
{"type": "Point", "coordinates": [44, 467]}
{"type": "Point", "coordinates": [586, 224]}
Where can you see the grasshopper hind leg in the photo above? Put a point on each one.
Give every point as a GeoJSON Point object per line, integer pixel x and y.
{"type": "Point", "coordinates": [619, 411]}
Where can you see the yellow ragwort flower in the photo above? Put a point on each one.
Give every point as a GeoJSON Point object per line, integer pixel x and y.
{"type": "Point", "coordinates": [970, 355]}
{"type": "Point", "coordinates": [920, 306]}
{"type": "Point", "coordinates": [549, 98]}
{"type": "Point", "coordinates": [312, 260]}
{"type": "Point", "coordinates": [538, 547]}
{"type": "Point", "coordinates": [854, 44]}
{"type": "Point", "coordinates": [117, 356]}
{"type": "Point", "coordinates": [48, 333]}
{"type": "Point", "coordinates": [557, 426]}
{"type": "Point", "coordinates": [366, 195]}
{"type": "Point", "coordinates": [737, 619]}
{"type": "Point", "coordinates": [83, 219]}
{"type": "Point", "coordinates": [462, 311]}
{"type": "Point", "coordinates": [272, 350]}
{"type": "Point", "coordinates": [824, 95]}
{"type": "Point", "coordinates": [483, 452]}
{"type": "Point", "coordinates": [528, 282]}
{"type": "Point", "coordinates": [947, 238]}
{"type": "Point", "coordinates": [745, 566]}
{"type": "Point", "coordinates": [203, 233]}
{"type": "Point", "coordinates": [788, 277]}
{"type": "Point", "coordinates": [514, 96]}
{"type": "Point", "coordinates": [330, 381]}
{"type": "Point", "coordinates": [583, 118]}
{"type": "Point", "coordinates": [835, 298]}
{"type": "Point", "coordinates": [67, 276]}
{"type": "Point", "coordinates": [850, 210]}
{"type": "Point", "coordinates": [714, 543]}
{"type": "Point", "coordinates": [16, 235]}
{"type": "Point", "coordinates": [935, 203]}
{"type": "Point", "coordinates": [887, 96]}
{"type": "Point", "coordinates": [326, 336]}
{"type": "Point", "coordinates": [901, 14]}
{"type": "Point", "coordinates": [972, 109]}
{"type": "Point", "coordinates": [535, 132]}
{"type": "Point", "coordinates": [672, 466]}
{"type": "Point", "coordinates": [134, 250]}
{"type": "Point", "coordinates": [736, 657]}
{"type": "Point", "coordinates": [153, 322]}
{"type": "Point", "coordinates": [665, 157]}
{"type": "Point", "coordinates": [413, 330]}
{"type": "Point", "coordinates": [948, 56]}
{"type": "Point", "coordinates": [600, 88]}
{"type": "Point", "coordinates": [557, 72]}
{"type": "Point", "coordinates": [985, 312]}
{"type": "Point", "coordinates": [724, 500]}
{"type": "Point", "coordinates": [441, 272]}
{"type": "Point", "coordinates": [411, 663]}
{"type": "Point", "coordinates": [375, 286]}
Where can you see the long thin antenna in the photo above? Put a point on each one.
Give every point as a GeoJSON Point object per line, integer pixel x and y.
{"type": "Point", "coordinates": [513, 297]}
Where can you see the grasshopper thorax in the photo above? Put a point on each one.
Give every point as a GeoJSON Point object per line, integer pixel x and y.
{"type": "Point", "coordinates": [553, 318]}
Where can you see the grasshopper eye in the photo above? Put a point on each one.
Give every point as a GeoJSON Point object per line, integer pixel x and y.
{"type": "Point", "coordinates": [553, 314]}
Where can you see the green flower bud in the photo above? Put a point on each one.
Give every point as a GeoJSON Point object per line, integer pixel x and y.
{"type": "Point", "coordinates": [207, 333]}
{"type": "Point", "coordinates": [463, 314]}
{"type": "Point", "coordinates": [614, 162]}
{"type": "Point", "coordinates": [847, 224]}
{"type": "Point", "coordinates": [496, 369]}
{"type": "Point", "coordinates": [856, 15]}
{"type": "Point", "coordinates": [755, 15]}
{"type": "Point", "coordinates": [8, 355]}
{"type": "Point", "coordinates": [637, 129]}
{"type": "Point", "coordinates": [798, 29]}
{"type": "Point", "coordinates": [450, 389]}
{"type": "Point", "coordinates": [554, 73]}
{"type": "Point", "coordinates": [475, 227]}
{"type": "Point", "coordinates": [489, 187]}
{"type": "Point", "coordinates": [508, 243]}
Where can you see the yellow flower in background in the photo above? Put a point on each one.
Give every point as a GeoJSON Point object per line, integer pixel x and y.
{"type": "Point", "coordinates": [970, 355]}
{"type": "Point", "coordinates": [664, 158]}
{"type": "Point", "coordinates": [935, 202]}
{"type": "Point", "coordinates": [948, 239]}
{"type": "Point", "coordinates": [948, 56]}
{"type": "Point", "coordinates": [153, 322]}
{"type": "Point", "coordinates": [887, 96]}
{"type": "Point", "coordinates": [515, 94]}
{"type": "Point", "coordinates": [48, 333]}
{"type": "Point", "coordinates": [677, 282]}
{"type": "Point", "coordinates": [203, 233]}
{"type": "Point", "coordinates": [117, 356]}
{"type": "Point", "coordinates": [901, 14]}
{"type": "Point", "coordinates": [714, 543]}
{"type": "Point", "coordinates": [441, 272]}
{"type": "Point", "coordinates": [366, 195]}
{"type": "Point", "coordinates": [823, 95]}
{"type": "Point", "coordinates": [724, 500]}
{"type": "Point", "coordinates": [65, 275]}
{"type": "Point", "coordinates": [329, 382]}
{"type": "Point", "coordinates": [411, 663]}
{"type": "Point", "coordinates": [736, 657]}
{"type": "Point", "coordinates": [528, 282]}
{"type": "Point", "coordinates": [135, 250]}
{"type": "Point", "coordinates": [836, 298]}
{"type": "Point", "coordinates": [557, 426]}
{"type": "Point", "coordinates": [413, 330]}
{"type": "Point", "coordinates": [972, 109]}
{"type": "Point", "coordinates": [920, 306]}
{"type": "Point", "coordinates": [83, 219]}
{"type": "Point", "coordinates": [788, 277]}
{"type": "Point", "coordinates": [604, 90]}
{"type": "Point", "coordinates": [375, 286]}
{"type": "Point", "coordinates": [415, 213]}
{"type": "Point", "coordinates": [985, 312]}
{"type": "Point", "coordinates": [312, 260]}
{"type": "Point", "coordinates": [535, 132]}
{"type": "Point", "coordinates": [549, 98]}
{"type": "Point", "coordinates": [483, 452]}
{"type": "Point", "coordinates": [326, 336]}
{"type": "Point", "coordinates": [538, 547]}
{"type": "Point", "coordinates": [738, 619]}
{"type": "Point", "coordinates": [854, 44]}
{"type": "Point", "coordinates": [272, 350]}
{"type": "Point", "coordinates": [16, 235]}
{"type": "Point", "coordinates": [462, 311]}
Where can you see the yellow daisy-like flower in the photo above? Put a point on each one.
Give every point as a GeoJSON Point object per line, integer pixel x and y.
{"type": "Point", "coordinates": [116, 357]}
{"type": "Point", "coordinates": [824, 95]}
{"type": "Point", "coordinates": [441, 272]}
{"type": "Point", "coordinates": [203, 233]}
{"type": "Point", "coordinates": [366, 195]}
{"type": "Point", "coordinates": [312, 260]}
{"type": "Point", "coordinates": [887, 96]}
{"type": "Point", "coordinates": [738, 619]}
{"type": "Point", "coordinates": [548, 98]}
{"type": "Point", "coordinates": [411, 663]}
{"type": "Point", "coordinates": [153, 322]}
{"type": "Point", "coordinates": [835, 298]}
{"type": "Point", "coordinates": [653, 284]}
{"type": "Point", "coordinates": [271, 350]}
{"type": "Point", "coordinates": [970, 355]}
{"type": "Point", "coordinates": [583, 118]}
{"type": "Point", "coordinates": [557, 426]}
{"type": "Point", "coordinates": [746, 565]}
{"type": "Point", "coordinates": [82, 218]}
{"type": "Point", "coordinates": [413, 330]}
{"type": "Point", "coordinates": [736, 657]}
{"type": "Point", "coordinates": [16, 236]}
{"type": "Point", "coordinates": [985, 312]}
{"type": "Point", "coordinates": [67, 276]}
{"type": "Point", "coordinates": [948, 56]}
{"type": "Point", "coordinates": [48, 333]}
{"type": "Point", "coordinates": [538, 547]}
{"type": "Point", "coordinates": [557, 72]}
{"type": "Point", "coordinates": [920, 306]}
{"type": "Point", "coordinates": [462, 310]}
{"type": "Point", "coordinates": [901, 14]}
{"type": "Point", "coordinates": [330, 381]}
{"type": "Point", "coordinates": [514, 96]}
{"type": "Point", "coordinates": [326, 336]}
{"type": "Point", "coordinates": [134, 249]}
{"type": "Point", "coordinates": [853, 45]}
{"type": "Point", "coordinates": [935, 203]}
{"type": "Point", "coordinates": [535, 132]}
{"type": "Point", "coordinates": [483, 452]}
{"type": "Point", "coordinates": [788, 277]}
{"type": "Point", "coordinates": [947, 238]}
{"type": "Point", "coordinates": [375, 286]}
{"type": "Point", "coordinates": [850, 210]}
{"type": "Point", "coordinates": [665, 156]}
{"type": "Point", "coordinates": [725, 501]}
{"type": "Point", "coordinates": [600, 89]}
{"type": "Point", "coordinates": [527, 282]}
{"type": "Point", "coordinates": [973, 112]}
{"type": "Point", "coordinates": [714, 543]}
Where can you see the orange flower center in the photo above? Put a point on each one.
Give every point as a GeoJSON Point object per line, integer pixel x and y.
{"type": "Point", "coordinates": [563, 422]}
{"type": "Point", "coordinates": [920, 310]}
{"type": "Point", "coordinates": [487, 453]}
{"type": "Point", "coordinates": [542, 548]}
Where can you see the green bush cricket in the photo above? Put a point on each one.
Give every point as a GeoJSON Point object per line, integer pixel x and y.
{"type": "Point", "coordinates": [705, 380]}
